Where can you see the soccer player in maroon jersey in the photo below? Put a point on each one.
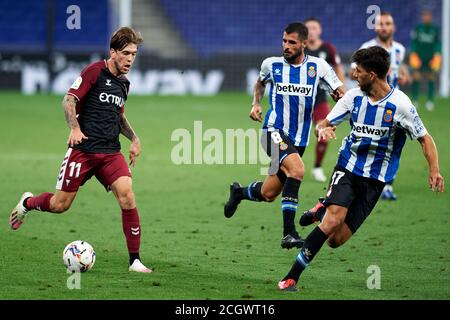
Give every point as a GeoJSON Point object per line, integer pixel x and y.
{"type": "Point", "coordinates": [94, 111]}
{"type": "Point", "coordinates": [318, 48]}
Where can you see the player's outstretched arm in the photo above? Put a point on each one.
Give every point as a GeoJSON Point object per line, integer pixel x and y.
{"type": "Point", "coordinates": [127, 131]}
{"type": "Point", "coordinates": [338, 93]}
{"type": "Point", "coordinates": [258, 93]}
{"type": "Point", "coordinates": [435, 180]}
{"type": "Point", "coordinates": [75, 136]}
{"type": "Point", "coordinates": [324, 131]}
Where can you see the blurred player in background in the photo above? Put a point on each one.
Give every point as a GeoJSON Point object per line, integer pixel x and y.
{"type": "Point", "coordinates": [293, 80]}
{"type": "Point", "coordinates": [94, 111]}
{"type": "Point", "coordinates": [385, 28]}
{"type": "Point", "coordinates": [425, 57]}
{"type": "Point", "coordinates": [381, 117]}
{"type": "Point", "coordinates": [398, 72]}
{"type": "Point", "coordinates": [318, 48]}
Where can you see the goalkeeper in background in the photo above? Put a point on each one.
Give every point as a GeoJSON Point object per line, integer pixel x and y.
{"type": "Point", "coordinates": [425, 57]}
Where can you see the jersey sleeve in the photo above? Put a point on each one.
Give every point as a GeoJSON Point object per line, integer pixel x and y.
{"type": "Point", "coordinates": [408, 119]}
{"type": "Point", "coordinates": [342, 110]}
{"type": "Point", "coordinates": [264, 73]}
{"type": "Point", "coordinates": [85, 81]}
{"type": "Point", "coordinates": [328, 76]}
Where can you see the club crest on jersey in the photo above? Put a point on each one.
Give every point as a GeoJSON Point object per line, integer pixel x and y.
{"type": "Point", "coordinates": [283, 146]}
{"type": "Point", "coordinates": [388, 116]}
{"type": "Point", "coordinates": [76, 84]}
{"type": "Point", "coordinates": [311, 72]}
{"type": "Point", "coordinates": [398, 55]}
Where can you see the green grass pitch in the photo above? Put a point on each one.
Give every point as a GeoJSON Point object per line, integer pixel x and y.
{"type": "Point", "coordinates": [195, 251]}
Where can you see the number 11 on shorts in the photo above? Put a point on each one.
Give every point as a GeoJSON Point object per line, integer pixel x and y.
{"type": "Point", "coordinates": [73, 166]}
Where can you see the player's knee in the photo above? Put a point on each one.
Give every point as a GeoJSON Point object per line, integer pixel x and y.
{"type": "Point", "coordinates": [330, 225]}
{"type": "Point", "coordinates": [296, 172]}
{"type": "Point", "coordinates": [269, 195]}
{"type": "Point", "coordinates": [331, 222]}
{"type": "Point", "coordinates": [126, 200]}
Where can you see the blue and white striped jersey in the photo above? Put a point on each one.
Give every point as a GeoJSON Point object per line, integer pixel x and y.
{"type": "Point", "coordinates": [396, 53]}
{"type": "Point", "coordinates": [378, 132]}
{"type": "Point", "coordinates": [292, 94]}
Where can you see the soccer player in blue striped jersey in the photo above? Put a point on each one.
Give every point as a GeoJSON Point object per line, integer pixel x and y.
{"type": "Point", "coordinates": [293, 80]}
{"type": "Point", "coordinates": [398, 72]}
{"type": "Point", "coordinates": [381, 117]}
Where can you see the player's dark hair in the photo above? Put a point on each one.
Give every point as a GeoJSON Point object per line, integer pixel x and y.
{"type": "Point", "coordinates": [123, 37]}
{"type": "Point", "coordinates": [313, 19]}
{"type": "Point", "coordinates": [298, 28]}
{"type": "Point", "coordinates": [374, 59]}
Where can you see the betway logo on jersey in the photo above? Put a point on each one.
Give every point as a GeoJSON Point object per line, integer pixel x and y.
{"type": "Point", "coordinates": [368, 131]}
{"type": "Point", "coordinates": [293, 89]}
{"type": "Point", "coordinates": [111, 98]}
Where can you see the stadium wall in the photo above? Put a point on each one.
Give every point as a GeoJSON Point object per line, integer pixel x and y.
{"type": "Point", "coordinates": [31, 73]}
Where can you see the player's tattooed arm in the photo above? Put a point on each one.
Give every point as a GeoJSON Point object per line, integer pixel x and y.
{"type": "Point", "coordinates": [75, 136]}
{"type": "Point", "coordinates": [258, 93]}
{"type": "Point", "coordinates": [69, 105]}
{"type": "Point", "coordinates": [127, 131]}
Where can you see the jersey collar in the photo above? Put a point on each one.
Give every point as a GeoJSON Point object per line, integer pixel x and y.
{"type": "Point", "coordinates": [381, 45]}
{"type": "Point", "coordinates": [375, 103]}
{"type": "Point", "coordinates": [297, 65]}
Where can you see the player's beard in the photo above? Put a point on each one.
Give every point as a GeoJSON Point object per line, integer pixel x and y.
{"type": "Point", "coordinates": [291, 59]}
{"type": "Point", "coordinates": [385, 37]}
{"type": "Point", "coordinates": [366, 87]}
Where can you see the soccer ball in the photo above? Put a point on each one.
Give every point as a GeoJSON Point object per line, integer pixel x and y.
{"type": "Point", "coordinates": [79, 256]}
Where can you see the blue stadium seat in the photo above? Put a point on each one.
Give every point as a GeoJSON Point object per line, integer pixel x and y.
{"type": "Point", "coordinates": [225, 26]}
{"type": "Point", "coordinates": [23, 25]}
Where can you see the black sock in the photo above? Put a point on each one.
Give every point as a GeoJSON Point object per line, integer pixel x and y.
{"type": "Point", "coordinates": [289, 202]}
{"type": "Point", "coordinates": [313, 242]}
{"type": "Point", "coordinates": [134, 256]}
{"type": "Point", "coordinates": [320, 213]}
{"type": "Point", "coordinates": [252, 192]}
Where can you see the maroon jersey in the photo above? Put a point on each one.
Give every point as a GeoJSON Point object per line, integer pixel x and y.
{"type": "Point", "coordinates": [329, 53]}
{"type": "Point", "coordinates": [100, 102]}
